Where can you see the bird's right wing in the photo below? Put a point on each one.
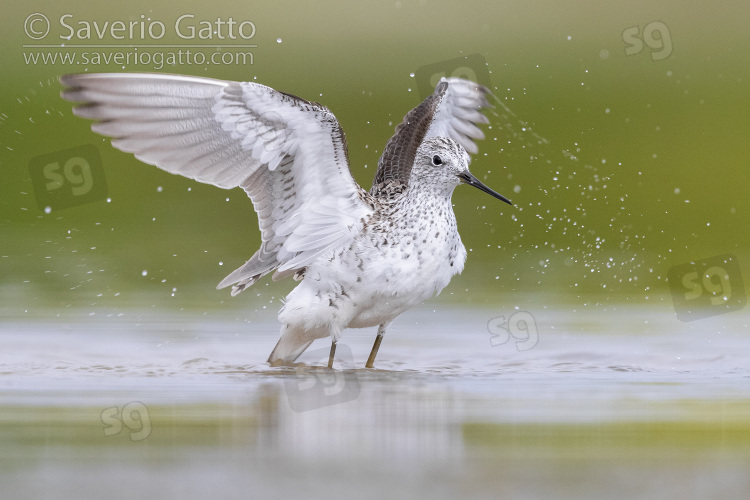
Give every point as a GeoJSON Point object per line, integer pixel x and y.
{"type": "Point", "coordinates": [287, 153]}
{"type": "Point", "coordinates": [457, 112]}
{"type": "Point", "coordinates": [453, 110]}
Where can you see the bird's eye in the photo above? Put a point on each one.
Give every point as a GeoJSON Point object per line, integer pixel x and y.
{"type": "Point", "coordinates": [436, 160]}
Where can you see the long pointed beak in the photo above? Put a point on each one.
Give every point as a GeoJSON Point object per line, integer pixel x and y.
{"type": "Point", "coordinates": [468, 178]}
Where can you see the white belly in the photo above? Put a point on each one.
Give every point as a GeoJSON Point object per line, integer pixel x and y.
{"type": "Point", "coordinates": [371, 285]}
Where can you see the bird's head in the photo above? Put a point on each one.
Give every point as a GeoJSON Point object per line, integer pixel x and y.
{"type": "Point", "coordinates": [443, 163]}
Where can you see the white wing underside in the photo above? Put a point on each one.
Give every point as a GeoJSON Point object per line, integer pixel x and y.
{"type": "Point", "coordinates": [288, 154]}
{"type": "Point", "coordinates": [458, 112]}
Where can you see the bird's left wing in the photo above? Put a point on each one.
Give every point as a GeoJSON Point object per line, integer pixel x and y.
{"type": "Point", "coordinates": [287, 153]}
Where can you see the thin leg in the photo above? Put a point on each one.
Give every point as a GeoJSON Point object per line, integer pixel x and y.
{"type": "Point", "coordinates": [333, 353]}
{"type": "Point", "coordinates": [376, 346]}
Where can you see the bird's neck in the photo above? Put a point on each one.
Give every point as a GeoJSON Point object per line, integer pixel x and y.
{"type": "Point", "coordinates": [429, 191]}
{"type": "Point", "coordinates": [422, 203]}
{"type": "Point", "coordinates": [414, 201]}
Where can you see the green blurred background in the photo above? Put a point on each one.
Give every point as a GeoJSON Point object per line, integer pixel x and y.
{"type": "Point", "coordinates": [643, 164]}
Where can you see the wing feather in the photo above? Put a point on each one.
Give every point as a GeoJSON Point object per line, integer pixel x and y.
{"type": "Point", "coordinates": [453, 111]}
{"type": "Point", "coordinates": [287, 153]}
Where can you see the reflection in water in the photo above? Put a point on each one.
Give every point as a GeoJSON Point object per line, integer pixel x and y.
{"type": "Point", "coordinates": [397, 424]}
{"type": "Point", "coordinates": [174, 407]}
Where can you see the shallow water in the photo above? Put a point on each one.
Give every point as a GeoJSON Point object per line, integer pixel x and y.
{"type": "Point", "coordinates": [628, 402]}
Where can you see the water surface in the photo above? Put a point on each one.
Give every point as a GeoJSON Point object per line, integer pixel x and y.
{"type": "Point", "coordinates": [627, 403]}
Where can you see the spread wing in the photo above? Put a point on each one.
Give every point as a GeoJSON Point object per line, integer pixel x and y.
{"type": "Point", "coordinates": [453, 111]}
{"type": "Point", "coordinates": [287, 153]}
